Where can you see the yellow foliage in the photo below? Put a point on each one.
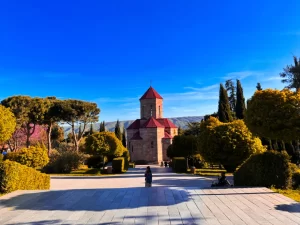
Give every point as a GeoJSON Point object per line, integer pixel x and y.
{"type": "Point", "coordinates": [7, 124]}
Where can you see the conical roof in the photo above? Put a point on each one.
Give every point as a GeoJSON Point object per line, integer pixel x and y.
{"type": "Point", "coordinates": [151, 94]}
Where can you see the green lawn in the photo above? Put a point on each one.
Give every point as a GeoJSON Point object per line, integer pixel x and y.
{"type": "Point", "coordinates": [293, 194]}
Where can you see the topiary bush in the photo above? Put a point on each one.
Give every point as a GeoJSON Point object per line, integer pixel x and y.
{"type": "Point", "coordinates": [95, 161]}
{"type": "Point", "coordinates": [118, 165]}
{"type": "Point", "coordinates": [179, 165]}
{"type": "Point", "coordinates": [64, 162]}
{"type": "Point", "coordinates": [14, 176]}
{"type": "Point", "coordinates": [34, 156]}
{"type": "Point", "coordinates": [266, 169]}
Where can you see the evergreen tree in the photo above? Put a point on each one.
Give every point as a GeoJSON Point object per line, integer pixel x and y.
{"type": "Point", "coordinates": [102, 126]}
{"type": "Point", "coordinates": [124, 137]}
{"type": "Point", "coordinates": [240, 101]}
{"type": "Point", "coordinates": [91, 129]}
{"type": "Point", "coordinates": [291, 75]}
{"type": "Point", "coordinates": [258, 87]}
{"type": "Point", "coordinates": [118, 131]}
{"type": "Point", "coordinates": [230, 88]}
{"type": "Point", "coordinates": [224, 112]}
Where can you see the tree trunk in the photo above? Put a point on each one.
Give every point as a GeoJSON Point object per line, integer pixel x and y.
{"type": "Point", "coordinates": [49, 131]}
{"type": "Point", "coordinates": [270, 144]}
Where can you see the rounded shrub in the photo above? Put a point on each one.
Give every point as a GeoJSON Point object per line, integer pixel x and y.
{"type": "Point", "coordinates": [95, 161]}
{"type": "Point", "coordinates": [118, 165]}
{"type": "Point", "coordinates": [34, 156]}
{"type": "Point", "coordinates": [266, 169]}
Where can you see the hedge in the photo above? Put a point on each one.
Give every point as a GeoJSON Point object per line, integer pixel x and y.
{"type": "Point", "coordinates": [131, 165]}
{"type": "Point", "coordinates": [118, 165]}
{"type": "Point", "coordinates": [179, 164]}
{"type": "Point", "coordinates": [267, 169]}
{"type": "Point", "coordinates": [296, 180]}
{"type": "Point", "coordinates": [14, 176]}
{"type": "Point", "coordinates": [1, 157]}
{"type": "Point", "coordinates": [95, 161]}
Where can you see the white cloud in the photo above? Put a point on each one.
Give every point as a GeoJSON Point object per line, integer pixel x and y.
{"type": "Point", "coordinates": [274, 78]}
{"type": "Point", "coordinates": [242, 75]}
{"type": "Point", "coordinates": [207, 88]}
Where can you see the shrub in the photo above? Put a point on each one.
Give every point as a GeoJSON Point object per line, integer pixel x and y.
{"type": "Point", "coordinates": [1, 157]}
{"type": "Point", "coordinates": [14, 176]}
{"type": "Point", "coordinates": [34, 156]}
{"type": "Point", "coordinates": [296, 180]}
{"type": "Point", "coordinates": [131, 165]}
{"type": "Point", "coordinates": [179, 164]}
{"type": "Point", "coordinates": [64, 162]}
{"type": "Point", "coordinates": [267, 169]}
{"type": "Point", "coordinates": [118, 165]}
{"type": "Point", "coordinates": [126, 159]}
{"type": "Point", "coordinates": [95, 161]}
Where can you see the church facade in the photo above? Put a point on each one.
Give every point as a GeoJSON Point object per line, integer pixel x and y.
{"type": "Point", "coordinates": [149, 137]}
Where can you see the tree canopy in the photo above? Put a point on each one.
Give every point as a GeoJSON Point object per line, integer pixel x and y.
{"type": "Point", "coordinates": [118, 130]}
{"type": "Point", "coordinates": [240, 107]}
{"type": "Point", "coordinates": [291, 75]}
{"type": "Point", "coordinates": [224, 112]}
{"type": "Point", "coordinates": [7, 124]}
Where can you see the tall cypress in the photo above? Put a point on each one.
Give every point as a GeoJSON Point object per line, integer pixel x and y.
{"type": "Point", "coordinates": [240, 101]}
{"type": "Point", "coordinates": [118, 131]}
{"type": "Point", "coordinates": [258, 87]}
{"type": "Point", "coordinates": [124, 137]}
{"type": "Point", "coordinates": [102, 126]}
{"type": "Point", "coordinates": [224, 112]}
{"type": "Point", "coordinates": [230, 88]}
{"type": "Point", "coordinates": [91, 129]}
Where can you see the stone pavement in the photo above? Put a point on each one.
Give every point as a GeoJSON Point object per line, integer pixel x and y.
{"type": "Point", "coordinates": [122, 199]}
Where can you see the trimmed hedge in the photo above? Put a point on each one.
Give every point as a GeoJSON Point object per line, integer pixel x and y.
{"type": "Point", "coordinates": [118, 165]}
{"type": "Point", "coordinates": [95, 161]}
{"type": "Point", "coordinates": [131, 165]}
{"type": "Point", "coordinates": [14, 176]}
{"type": "Point", "coordinates": [267, 169]}
{"type": "Point", "coordinates": [34, 156]}
{"type": "Point", "coordinates": [179, 164]}
{"type": "Point", "coordinates": [296, 180]}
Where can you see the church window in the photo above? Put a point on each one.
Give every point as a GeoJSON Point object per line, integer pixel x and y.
{"type": "Point", "coordinates": [152, 144]}
{"type": "Point", "coordinates": [151, 111]}
{"type": "Point", "coordinates": [159, 111]}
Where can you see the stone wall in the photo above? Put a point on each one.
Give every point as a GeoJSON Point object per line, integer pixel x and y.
{"type": "Point", "coordinates": [148, 105]}
{"type": "Point", "coordinates": [165, 144]}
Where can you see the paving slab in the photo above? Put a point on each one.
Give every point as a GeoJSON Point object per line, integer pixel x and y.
{"type": "Point", "coordinates": [123, 199]}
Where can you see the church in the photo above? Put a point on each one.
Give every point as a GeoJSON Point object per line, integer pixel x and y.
{"type": "Point", "coordinates": [149, 137]}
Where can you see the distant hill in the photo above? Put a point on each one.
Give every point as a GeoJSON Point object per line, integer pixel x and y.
{"type": "Point", "coordinates": [110, 126]}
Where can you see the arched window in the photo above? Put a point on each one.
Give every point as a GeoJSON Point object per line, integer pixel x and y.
{"type": "Point", "coordinates": [152, 144]}
{"type": "Point", "coordinates": [151, 111]}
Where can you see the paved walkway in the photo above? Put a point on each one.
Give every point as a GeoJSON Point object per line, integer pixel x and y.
{"type": "Point", "coordinates": [122, 199]}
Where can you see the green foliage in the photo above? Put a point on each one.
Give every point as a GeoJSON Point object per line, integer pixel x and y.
{"type": "Point", "coordinates": [192, 129]}
{"type": "Point", "coordinates": [124, 137]}
{"type": "Point", "coordinates": [274, 115]}
{"type": "Point", "coordinates": [104, 143]}
{"type": "Point", "coordinates": [34, 156]}
{"type": "Point", "coordinates": [182, 146]}
{"type": "Point", "coordinates": [7, 124]}
{"type": "Point", "coordinates": [240, 101]}
{"type": "Point", "coordinates": [118, 165]}
{"type": "Point", "coordinates": [95, 161]}
{"type": "Point", "coordinates": [296, 180]}
{"type": "Point", "coordinates": [126, 157]}
{"type": "Point", "coordinates": [224, 112]}
{"type": "Point", "coordinates": [1, 158]}
{"type": "Point", "coordinates": [14, 176]}
{"type": "Point", "coordinates": [258, 87]}
{"type": "Point", "coordinates": [291, 75]}
{"type": "Point", "coordinates": [131, 165]}
{"type": "Point", "coordinates": [229, 144]}
{"type": "Point", "coordinates": [118, 132]}
{"type": "Point", "coordinates": [102, 126]}
{"type": "Point", "coordinates": [267, 169]}
{"type": "Point", "coordinates": [64, 162]}
{"type": "Point", "coordinates": [179, 164]}
{"type": "Point", "coordinates": [232, 95]}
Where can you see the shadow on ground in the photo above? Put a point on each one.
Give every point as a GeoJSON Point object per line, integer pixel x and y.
{"type": "Point", "coordinates": [295, 208]}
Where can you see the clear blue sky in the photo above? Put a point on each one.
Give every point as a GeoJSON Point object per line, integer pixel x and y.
{"type": "Point", "coordinates": [108, 51]}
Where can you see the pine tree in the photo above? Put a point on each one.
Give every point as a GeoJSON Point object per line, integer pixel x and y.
{"type": "Point", "coordinates": [124, 137]}
{"type": "Point", "coordinates": [240, 101]}
{"type": "Point", "coordinates": [258, 87]}
{"type": "Point", "coordinates": [118, 131]}
{"type": "Point", "coordinates": [230, 88]}
{"type": "Point", "coordinates": [91, 129]}
{"type": "Point", "coordinates": [102, 126]}
{"type": "Point", "coordinates": [224, 112]}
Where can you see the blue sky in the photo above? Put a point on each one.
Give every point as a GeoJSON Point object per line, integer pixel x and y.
{"type": "Point", "coordinates": [108, 51]}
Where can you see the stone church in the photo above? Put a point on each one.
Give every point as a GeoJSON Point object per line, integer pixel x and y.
{"type": "Point", "coordinates": [149, 137]}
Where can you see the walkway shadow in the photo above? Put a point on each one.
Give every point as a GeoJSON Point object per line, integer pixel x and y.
{"type": "Point", "coordinates": [295, 207]}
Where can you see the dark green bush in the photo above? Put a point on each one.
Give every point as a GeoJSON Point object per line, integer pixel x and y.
{"type": "Point", "coordinates": [95, 161]}
{"type": "Point", "coordinates": [64, 162]}
{"type": "Point", "coordinates": [14, 176]}
{"type": "Point", "coordinates": [131, 165]}
{"type": "Point", "coordinates": [1, 157]}
{"type": "Point", "coordinates": [34, 156]}
{"type": "Point", "coordinates": [266, 169]}
{"type": "Point", "coordinates": [118, 165]}
{"type": "Point", "coordinates": [296, 180]}
{"type": "Point", "coordinates": [126, 159]}
{"type": "Point", "coordinates": [179, 165]}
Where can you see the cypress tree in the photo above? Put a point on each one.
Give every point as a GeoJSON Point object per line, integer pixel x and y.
{"type": "Point", "coordinates": [118, 131]}
{"type": "Point", "coordinates": [258, 87]}
{"type": "Point", "coordinates": [102, 126]}
{"type": "Point", "coordinates": [224, 112]}
{"type": "Point", "coordinates": [91, 129]}
{"type": "Point", "coordinates": [124, 137]}
{"type": "Point", "coordinates": [230, 88]}
{"type": "Point", "coordinates": [240, 101]}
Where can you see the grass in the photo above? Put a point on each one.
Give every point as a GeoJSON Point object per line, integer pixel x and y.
{"type": "Point", "coordinates": [290, 193]}
{"type": "Point", "coordinates": [209, 172]}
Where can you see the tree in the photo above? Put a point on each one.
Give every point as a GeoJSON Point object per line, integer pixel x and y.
{"type": "Point", "coordinates": [227, 143]}
{"type": "Point", "coordinates": [91, 129]}
{"type": "Point", "coordinates": [274, 114]}
{"type": "Point", "coordinates": [118, 131]}
{"type": "Point", "coordinates": [224, 112]}
{"type": "Point", "coordinates": [291, 75]}
{"type": "Point", "coordinates": [7, 124]}
{"type": "Point", "coordinates": [232, 96]}
{"type": "Point", "coordinates": [258, 87]}
{"type": "Point", "coordinates": [193, 129]}
{"type": "Point", "coordinates": [102, 126]}
{"type": "Point", "coordinates": [240, 101]}
{"type": "Point", "coordinates": [74, 111]}
{"type": "Point", "coordinates": [124, 137]}
{"type": "Point", "coordinates": [57, 135]}
{"type": "Point", "coordinates": [183, 146]}
{"type": "Point", "coordinates": [104, 144]}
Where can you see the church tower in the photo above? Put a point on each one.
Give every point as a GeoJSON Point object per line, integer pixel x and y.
{"type": "Point", "coordinates": [151, 105]}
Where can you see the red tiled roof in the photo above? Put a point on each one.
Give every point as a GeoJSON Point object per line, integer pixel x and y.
{"type": "Point", "coordinates": [134, 125]}
{"type": "Point", "coordinates": [152, 123]}
{"type": "Point", "coordinates": [167, 135]}
{"type": "Point", "coordinates": [150, 94]}
{"type": "Point", "coordinates": [136, 136]}
{"type": "Point", "coordinates": [167, 123]}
